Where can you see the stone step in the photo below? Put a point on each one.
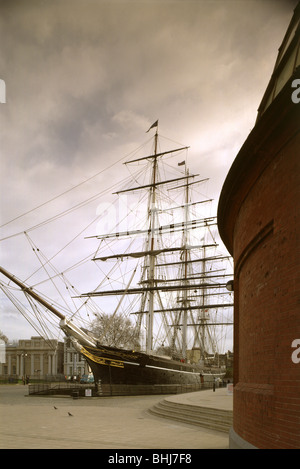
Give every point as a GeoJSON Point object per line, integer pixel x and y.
{"type": "Point", "coordinates": [194, 408]}
{"type": "Point", "coordinates": [215, 419]}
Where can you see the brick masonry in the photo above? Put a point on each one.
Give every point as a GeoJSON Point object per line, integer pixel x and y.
{"type": "Point", "coordinates": [266, 250]}
{"type": "Point", "coordinates": [258, 216]}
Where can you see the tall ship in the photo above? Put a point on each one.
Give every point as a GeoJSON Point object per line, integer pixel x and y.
{"type": "Point", "coordinates": [160, 268]}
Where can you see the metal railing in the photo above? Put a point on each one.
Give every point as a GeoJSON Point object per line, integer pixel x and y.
{"type": "Point", "coordinates": [101, 390]}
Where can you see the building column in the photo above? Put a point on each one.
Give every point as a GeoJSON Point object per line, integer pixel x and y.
{"type": "Point", "coordinates": [49, 363]}
{"type": "Point", "coordinates": [9, 363]}
{"type": "Point", "coordinates": [22, 365]}
{"type": "Point", "coordinates": [41, 364]}
{"type": "Point", "coordinates": [18, 365]}
{"type": "Point", "coordinates": [54, 357]}
{"type": "Point", "coordinates": [32, 364]}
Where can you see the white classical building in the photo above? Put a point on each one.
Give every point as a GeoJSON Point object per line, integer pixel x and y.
{"type": "Point", "coordinates": [40, 358]}
{"type": "Point", "coordinates": [34, 358]}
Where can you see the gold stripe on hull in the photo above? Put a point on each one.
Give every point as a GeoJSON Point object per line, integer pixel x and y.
{"type": "Point", "coordinates": [102, 360]}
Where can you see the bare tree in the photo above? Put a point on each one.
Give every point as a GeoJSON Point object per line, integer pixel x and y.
{"type": "Point", "coordinates": [115, 331]}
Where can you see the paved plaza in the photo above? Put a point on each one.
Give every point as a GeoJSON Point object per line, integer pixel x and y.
{"type": "Point", "coordinates": [44, 422]}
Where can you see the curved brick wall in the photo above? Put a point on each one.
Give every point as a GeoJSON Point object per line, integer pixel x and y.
{"type": "Point", "coordinates": [266, 250]}
{"type": "Point", "coordinates": [258, 219]}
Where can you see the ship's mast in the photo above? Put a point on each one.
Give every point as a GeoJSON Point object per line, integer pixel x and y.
{"type": "Point", "coordinates": [203, 315]}
{"type": "Point", "coordinates": [186, 259]}
{"type": "Point", "coordinates": [151, 286]}
{"type": "Point", "coordinates": [149, 341]}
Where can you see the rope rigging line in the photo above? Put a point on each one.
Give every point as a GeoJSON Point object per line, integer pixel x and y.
{"type": "Point", "coordinates": [20, 307]}
{"type": "Point", "coordinates": [66, 245]}
{"type": "Point", "coordinates": [74, 187]}
{"type": "Point", "coordinates": [39, 256]}
{"type": "Point", "coordinates": [68, 285]}
{"type": "Point", "coordinates": [65, 212]}
{"type": "Point", "coordinates": [40, 319]}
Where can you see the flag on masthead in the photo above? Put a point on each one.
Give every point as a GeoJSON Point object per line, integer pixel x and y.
{"type": "Point", "coordinates": [153, 125]}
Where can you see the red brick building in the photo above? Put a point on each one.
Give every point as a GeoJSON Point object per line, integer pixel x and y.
{"type": "Point", "coordinates": [258, 218]}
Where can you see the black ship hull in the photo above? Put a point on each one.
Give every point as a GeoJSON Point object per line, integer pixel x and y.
{"type": "Point", "coordinates": [122, 367]}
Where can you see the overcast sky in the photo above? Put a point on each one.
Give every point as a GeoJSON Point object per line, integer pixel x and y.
{"type": "Point", "coordinates": [85, 80]}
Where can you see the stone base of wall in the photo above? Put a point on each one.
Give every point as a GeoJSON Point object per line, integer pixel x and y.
{"type": "Point", "coordinates": [236, 442]}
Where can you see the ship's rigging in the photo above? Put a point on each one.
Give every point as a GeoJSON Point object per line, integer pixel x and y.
{"type": "Point", "coordinates": [168, 263]}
